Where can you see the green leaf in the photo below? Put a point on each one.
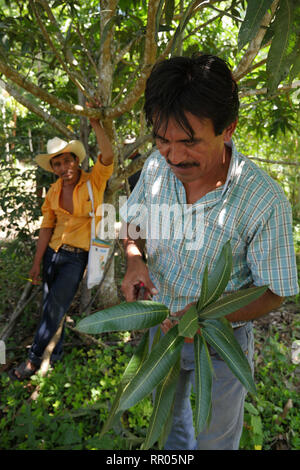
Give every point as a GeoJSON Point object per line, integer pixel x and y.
{"type": "Point", "coordinates": [154, 369]}
{"type": "Point", "coordinates": [295, 71]}
{"type": "Point", "coordinates": [203, 383]}
{"type": "Point", "coordinates": [232, 302]}
{"type": "Point", "coordinates": [162, 405]}
{"type": "Point", "coordinates": [257, 430]}
{"type": "Point", "coordinates": [279, 57]}
{"type": "Point", "coordinates": [222, 339]}
{"type": "Point", "coordinates": [158, 17]}
{"type": "Point", "coordinates": [181, 27]}
{"type": "Point", "coordinates": [219, 278]}
{"type": "Point", "coordinates": [124, 317]}
{"type": "Point", "coordinates": [256, 9]}
{"type": "Point", "coordinates": [169, 11]}
{"type": "Point", "coordinates": [131, 370]}
{"type": "Point", "coordinates": [167, 427]}
{"type": "Point", "coordinates": [203, 294]}
{"type": "Point", "coordinates": [188, 324]}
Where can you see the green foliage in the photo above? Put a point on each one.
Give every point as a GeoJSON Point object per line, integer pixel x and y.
{"type": "Point", "coordinates": [256, 9]}
{"type": "Point", "coordinates": [72, 400]}
{"type": "Point", "coordinates": [285, 44]}
{"type": "Point", "coordinates": [158, 368]}
{"type": "Point", "coordinates": [272, 420]}
{"type": "Point", "coordinates": [283, 32]}
{"type": "Point", "coordinates": [76, 397]}
{"type": "Point", "coordinates": [20, 206]}
{"type": "Point", "coordinates": [15, 263]}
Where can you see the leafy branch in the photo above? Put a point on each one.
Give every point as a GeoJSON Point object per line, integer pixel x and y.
{"type": "Point", "coordinates": [158, 368]}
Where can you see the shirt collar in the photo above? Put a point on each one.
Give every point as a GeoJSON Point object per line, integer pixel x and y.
{"type": "Point", "coordinates": [83, 179]}
{"type": "Point", "coordinates": [232, 170]}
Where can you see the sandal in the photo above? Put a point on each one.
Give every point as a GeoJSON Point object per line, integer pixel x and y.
{"type": "Point", "coordinates": [23, 372]}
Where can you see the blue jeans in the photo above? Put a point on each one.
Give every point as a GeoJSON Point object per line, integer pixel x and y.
{"type": "Point", "coordinates": [62, 273]}
{"type": "Point", "coordinates": [228, 397]}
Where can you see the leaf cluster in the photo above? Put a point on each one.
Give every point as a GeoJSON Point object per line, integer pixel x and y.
{"type": "Point", "coordinates": [205, 322]}
{"type": "Point", "coordinates": [284, 34]}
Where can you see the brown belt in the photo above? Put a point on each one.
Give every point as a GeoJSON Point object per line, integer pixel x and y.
{"type": "Point", "coordinates": [72, 249]}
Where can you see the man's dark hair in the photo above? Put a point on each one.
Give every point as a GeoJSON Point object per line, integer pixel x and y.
{"type": "Point", "coordinates": [202, 85]}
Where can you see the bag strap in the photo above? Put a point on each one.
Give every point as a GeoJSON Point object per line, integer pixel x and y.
{"type": "Point", "coordinates": [92, 214]}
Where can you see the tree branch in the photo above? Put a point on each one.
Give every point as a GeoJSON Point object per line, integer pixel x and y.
{"type": "Point", "coordinates": [108, 8]}
{"type": "Point", "coordinates": [126, 49]}
{"type": "Point", "coordinates": [17, 78]}
{"type": "Point", "coordinates": [55, 123]}
{"type": "Point", "coordinates": [77, 78]}
{"type": "Point", "coordinates": [263, 91]}
{"type": "Point", "coordinates": [149, 60]}
{"type": "Point", "coordinates": [117, 178]}
{"type": "Point", "coordinates": [279, 162]}
{"type": "Point", "coordinates": [254, 45]}
{"type": "Point", "coordinates": [150, 42]}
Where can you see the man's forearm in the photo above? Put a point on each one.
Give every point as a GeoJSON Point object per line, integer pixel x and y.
{"type": "Point", "coordinates": [42, 243]}
{"type": "Point", "coordinates": [133, 248]}
{"type": "Point", "coordinates": [256, 309]}
{"type": "Point", "coordinates": [104, 144]}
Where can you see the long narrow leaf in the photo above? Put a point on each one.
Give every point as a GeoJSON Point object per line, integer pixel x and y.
{"type": "Point", "coordinates": [167, 426]}
{"type": "Point", "coordinates": [124, 317]}
{"type": "Point", "coordinates": [183, 22]}
{"type": "Point", "coordinates": [163, 402]}
{"type": "Point", "coordinates": [219, 277]}
{"type": "Point", "coordinates": [256, 10]}
{"type": "Point", "coordinates": [154, 369]}
{"type": "Point", "coordinates": [222, 339]}
{"type": "Point", "coordinates": [131, 370]}
{"type": "Point", "coordinates": [278, 62]}
{"type": "Point", "coordinates": [203, 294]}
{"type": "Point", "coordinates": [232, 302]}
{"type": "Point", "coordinates": [188, 324]}
{"type": "Point", "coordinates": [203, 383]}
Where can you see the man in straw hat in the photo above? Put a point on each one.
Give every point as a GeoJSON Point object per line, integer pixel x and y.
{"type": "Point", "coordinates": [64, 238]}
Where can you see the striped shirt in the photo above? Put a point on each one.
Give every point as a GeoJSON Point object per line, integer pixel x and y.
{"type": "Point", "coordinates": [251, 210]}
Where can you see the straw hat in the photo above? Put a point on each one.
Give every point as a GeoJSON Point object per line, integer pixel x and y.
{"type": "Point", "coordinates": [57, 146]}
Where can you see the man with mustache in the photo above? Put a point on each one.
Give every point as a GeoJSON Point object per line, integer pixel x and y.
{"type": "Point", "coordinates": [192, 105]}
{"type": "Point", "coordinates": [64, 238]}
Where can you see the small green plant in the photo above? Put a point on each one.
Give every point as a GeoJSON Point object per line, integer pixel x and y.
{"type": "Point", "coordinates": [158, 367]}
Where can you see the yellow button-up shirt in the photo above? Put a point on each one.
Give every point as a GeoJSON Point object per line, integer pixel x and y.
{"type": "Point", "coordinates": [75, 229]}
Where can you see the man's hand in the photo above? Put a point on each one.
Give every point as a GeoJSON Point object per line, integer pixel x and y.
{"type": "Point", "coordinates": [136, 275]}
{"type": "Point", "coordinates": [104, 144]}
{"type": "Point", "coordinates": [34, 274]}
{"type": "Point", "coordinates": [95, 123]}
{"type": "Point", "coordinates": [168, 323]}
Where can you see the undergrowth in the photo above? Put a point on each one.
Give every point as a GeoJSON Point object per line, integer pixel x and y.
{"type": "Point", "coordinates": [73, 400]}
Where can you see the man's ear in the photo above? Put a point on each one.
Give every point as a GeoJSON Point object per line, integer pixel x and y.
{"type": "Point", "coordinates": [229, 131]}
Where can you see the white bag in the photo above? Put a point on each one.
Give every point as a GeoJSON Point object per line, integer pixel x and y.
{"type": "Point", "coordinates": [98, 252]}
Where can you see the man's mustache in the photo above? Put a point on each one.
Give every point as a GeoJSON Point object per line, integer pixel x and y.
{"type": "Point", "coordinates": [183, 165]}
